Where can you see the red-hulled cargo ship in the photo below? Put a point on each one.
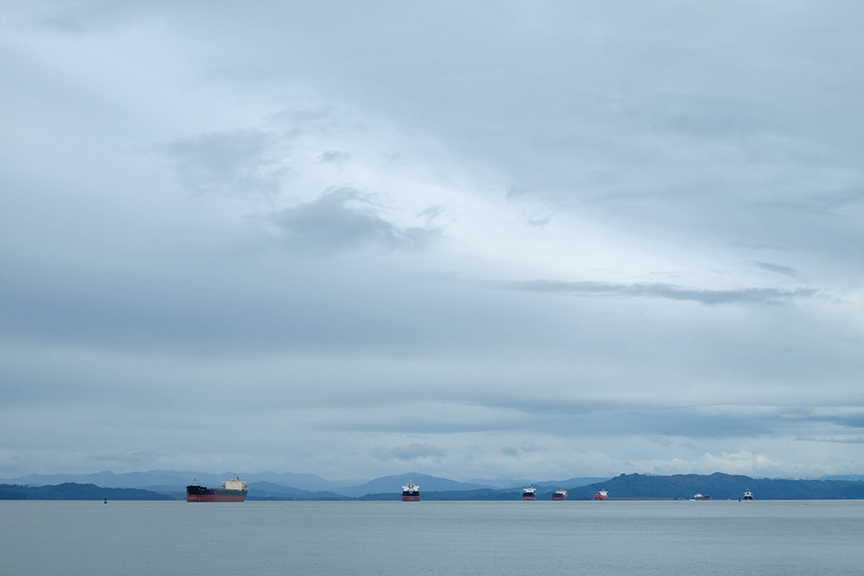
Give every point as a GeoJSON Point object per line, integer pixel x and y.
{"type": "Point", "coordinates": [410, 493]}
{"type": "Point", "coordinates": [602, 495]}
{"type": "Point", "coordinates": [234, 490]}
{"type": "Point", "coordinates": [559, 495]}
{"type": "Point", "coordinates": [529, 493]}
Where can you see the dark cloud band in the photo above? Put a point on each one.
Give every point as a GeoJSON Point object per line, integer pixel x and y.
{"type": "Point", "coordinates": [667, 291]}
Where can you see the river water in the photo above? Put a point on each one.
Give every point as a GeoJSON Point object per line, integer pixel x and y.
{"type": "Point", "coordinates": [677, 538]}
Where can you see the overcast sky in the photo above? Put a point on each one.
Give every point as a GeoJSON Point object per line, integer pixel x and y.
{"type": "Point", "coordinates": [490, 239]}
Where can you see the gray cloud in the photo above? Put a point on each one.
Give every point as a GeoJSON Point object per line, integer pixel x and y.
{"type": "Point", "coordinates": [668, 292]}
{"type": "Point", "coordinates": [136, 457]}
{"type": "Point", "coordinates": [660, 441]}
{"type": "Point", "coordinates": [334, 156]}
{"type": "Point", "coordinates": [714, 117]}
{"type": "Point", "coordinates": [89, 16]}
{"type": "Point", "coordinates": [343, 219]}
{"type": "Point", "coordinates": [407, 453]}
{"type": "Point", "coordinates": [431, 213]}
{"type": "Point", "coordinates": [237, 162]}
{"type": "Point", "coordinates": [842, 420]}
{"type": "Point", "coordinates": [538, 221]}
{"type": "Point", "coordinates": [524, 447]}
{"type": "Point", "coordinates": [776, 268]}
{"type": "Point", "coordinates": [831, 440]}
{"type": "Point", "coordinates": [578, 419]}
{"type": "Point", "coordinates": [530, 447]}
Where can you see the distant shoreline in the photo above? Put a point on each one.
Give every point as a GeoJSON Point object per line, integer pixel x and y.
{"type": "Point", "coordinates": [624, 487]}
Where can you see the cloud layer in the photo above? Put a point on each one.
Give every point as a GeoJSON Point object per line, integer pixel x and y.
{"type": "Point", "coordinates": [485, 240]}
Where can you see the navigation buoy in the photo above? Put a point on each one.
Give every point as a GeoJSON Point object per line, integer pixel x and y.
{"type": "Point", "coordinates": [106, 500]}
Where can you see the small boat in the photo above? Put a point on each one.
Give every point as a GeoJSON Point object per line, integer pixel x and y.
{"type": "Point", "coordinates": [529, 493]}
{"type": "Point", "coordinates": [700, 497]}
{"type": "Point", "coordinates": [748, 495]}
{"type": "Point", "coordinates": [559, 495]}
{"type": "Point", "coordinates": [410, 493]}
{"type": "Point", "coordinates": [602, 495]}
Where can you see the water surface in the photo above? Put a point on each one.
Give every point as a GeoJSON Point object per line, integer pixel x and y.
{"type": "Point", "coordinates": [787, 538]}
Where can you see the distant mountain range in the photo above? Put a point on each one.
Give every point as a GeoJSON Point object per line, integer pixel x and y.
{"type": "Point", "coordinates": [721, 487]}
{"type": "Point", "coordinates": [165, 479]}
{"type": "Point", "coordinates": [73, 491]}
{"type": "Point", "coordinates": [681, 487]}
{"type": "Point", "coordinates": [167, 484]}
{"type": "Point", "coordinates": [179, 478]}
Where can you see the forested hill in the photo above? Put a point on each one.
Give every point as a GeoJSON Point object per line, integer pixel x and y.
{"type": "Point", "coordinates": [720, 487]}
{"type": "Point", "coordinates": [682, 487]}
{"type": "Point", "coordinates": [73, 491]}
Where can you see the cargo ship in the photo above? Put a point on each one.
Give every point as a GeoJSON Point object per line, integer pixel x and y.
{"type": "Point", "coordinates": [410, 493]}
{"type": "Point", "coordinates": [748, 495]}
{"type": "Point", "coordinates": [602, 495]}
{"type": "Point", "coordinates": [233, 490]}
{"type": "Point", "coordinates": [700, 497]}
{"type": "Point", "coordinates": [529, 493]}
{"type": "Point", "coordinates": [559, 495]}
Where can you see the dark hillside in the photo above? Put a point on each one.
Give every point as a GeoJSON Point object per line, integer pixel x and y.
{"type": "Point", "coordinates": [73, 491]}
{"type": "Point", "coordinates": [719, 487]}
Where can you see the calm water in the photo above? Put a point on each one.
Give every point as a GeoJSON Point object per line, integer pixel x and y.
{"type": "Point", "coordinates": [440, 538]}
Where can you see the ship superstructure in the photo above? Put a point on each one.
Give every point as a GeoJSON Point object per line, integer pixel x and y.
{"type": "Point", "coordinates": [410, 493]}
{"type": "Point", "coordinates": [233, 490]}
{"type": "Point", "coordinates": [748, 495]}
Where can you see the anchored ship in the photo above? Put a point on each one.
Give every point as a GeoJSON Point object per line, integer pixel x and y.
{"type": "Point", "coordinates": [748, 495]}
{"type": "Point", "coordinates": [233, 490]}
{"type": "Point", "coordinates": [700, 497]}
{"type": "Point", "coordinates": [529, 493]}
{"type": "Point", "coordinates": [559, 495]}
{"type": "Point", "coordinates": [602, 495]}
{"type": "Point", "coordinates": [410, 493]}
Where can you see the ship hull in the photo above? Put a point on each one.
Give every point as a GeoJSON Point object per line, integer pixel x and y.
{"type": "Point", "coordinates": [559, 498]}
{"type": "Point", "coordinates": [410, 498]}
{"type": "Point", "coordinates": [599, 497]}
{"type": "Point", "coordinates": [202, 494]}
{"type": "Point", "coordinates": [529, 497]}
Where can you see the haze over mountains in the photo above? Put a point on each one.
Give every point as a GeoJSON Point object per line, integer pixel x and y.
{"type": "Point", "coordinates": [275, 484]}
{"type": "Point", "coordinates": [291, 486]}
{"type": "Point", "coordinates": [624, 487]}
{"type": "Point", "coordinates": [183, 478]}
